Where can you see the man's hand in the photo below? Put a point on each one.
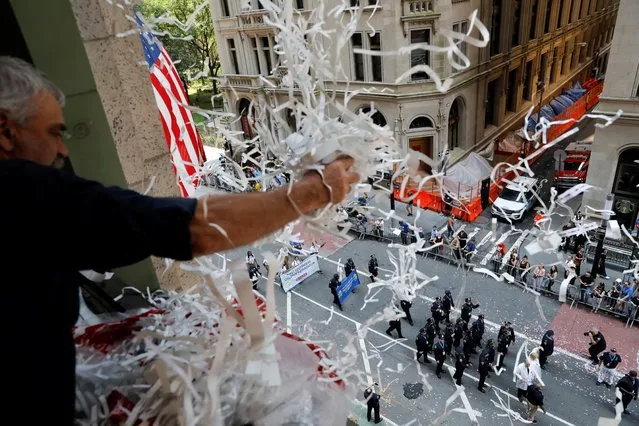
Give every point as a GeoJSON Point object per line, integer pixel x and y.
{"type": "Point", "coordinates": [226, 221]}
{"type": "Point", "coordinates": [337, 177]}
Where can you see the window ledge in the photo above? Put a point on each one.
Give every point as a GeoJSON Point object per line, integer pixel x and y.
{"type": "Point", "coordinates": [367, 8]}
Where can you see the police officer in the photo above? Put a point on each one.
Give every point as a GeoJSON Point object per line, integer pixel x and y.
{"type": "Point", "coordinates": [406, 305]}
{"type": "Point", "coordinates": [333, 284]}
{"type": "Point", "coordinates": [437, 311]}
{"type": "Point", "coordinates": [439, 353]}
{"type": "Point", "coordinates": [460, 366]}
{"type": "Point", "coordinates": [447, 305]}
{"type": "Point", "coordinates": [421, 342]}
{"type": "Point", "coordinates": [372, 402]}
{"type": "Point", "coordinates": [430, 331]}
{"type": "Point", "coordinates": [547, 348]}
{"type": "Point", "coordinates": [477, 331]}
{"type": "Point", "coordinates": [458, 335]}
{"type": "Point", "coordinates": [468, 346]}
{"type": "Point", "coordinates": [373, 267]}
{"type": "Point", "coordinates": [486, 359]}
{"type": "Point", "coordinates": [502, 349]}
{"type": "Point", "coordinates": [467, 310]}
{"type": "Point", "coordinates": [395, 324]}
{"type": "Point", "coordinates": [507, 330]}
{"type": "Point", "coordinates": [448, 338]}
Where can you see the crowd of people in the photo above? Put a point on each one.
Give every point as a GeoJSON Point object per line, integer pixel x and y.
{"type": "Point", "coordinates": [460, 340]}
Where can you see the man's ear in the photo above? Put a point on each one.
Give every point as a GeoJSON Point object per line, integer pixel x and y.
{"type": "Point", "coordinates": [6, 143]}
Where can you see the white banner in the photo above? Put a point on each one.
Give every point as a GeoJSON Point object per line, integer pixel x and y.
{"type": "Point", "coordinates": [294, 276]}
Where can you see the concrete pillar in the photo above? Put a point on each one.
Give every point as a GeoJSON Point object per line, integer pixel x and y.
{"type": "Point", "coordinates": [110, 111]}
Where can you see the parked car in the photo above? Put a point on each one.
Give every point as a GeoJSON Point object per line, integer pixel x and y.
{"type": "Point", "coordinates": [517, 198]}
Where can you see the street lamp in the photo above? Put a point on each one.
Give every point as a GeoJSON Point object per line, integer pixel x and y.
{"type": "Point", "coordinates": [601, 234]}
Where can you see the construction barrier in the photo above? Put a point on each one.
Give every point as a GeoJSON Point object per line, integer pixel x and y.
{"type": "Point", "coordinates": [467, 200]}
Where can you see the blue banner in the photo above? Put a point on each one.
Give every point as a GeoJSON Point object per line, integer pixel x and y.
{"type": "Point", "coordinates": [347, 286]}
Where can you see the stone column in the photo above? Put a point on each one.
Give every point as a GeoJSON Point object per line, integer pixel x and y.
{"type": "Point", "coordinates": [125, 90]}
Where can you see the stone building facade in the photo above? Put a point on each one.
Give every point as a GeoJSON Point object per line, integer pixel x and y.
{"type": "Point", "coordinates": [614, 166]}
{"type": "Point", "coordinates": [554, 41]}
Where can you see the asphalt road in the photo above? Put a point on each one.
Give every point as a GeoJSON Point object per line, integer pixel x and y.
{"type": "Point", "coordinates": [412, 391]}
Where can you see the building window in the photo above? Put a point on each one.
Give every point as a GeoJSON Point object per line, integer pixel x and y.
{"type": "Point", "coordinates": [367, 67]}
{"type": "Point", "coordinates": [461, 27]}
{"type": "Point", "coordinates": [454, 127]}
{"type": "Point", "coordinates": [376, 61]}
{"type": "Point", "coordinates": [299, 4]}
{"type": "Point", "coordinates": [492, 96]}
{"type": "Point", "coordinates": [358, 58]}
{"type": "Point", "coordinates": [528, 81]}
{"type": "Point", "coordinates": [419, 56]}
{"type": "Point", "coordinates": [356, 3]}
{"type": "Point", "coordinates": [563, 69]}
{"type": "Point", "coordinates": [577, 9]}
{"type": "Point", "coordinates": [256, 54]}
{"type": "Point", "coordinates": [233, 51]}
{"type": "Point", "coordinates": [377, 117]}
{"type": "Point", "coordinates": [542, 68]}
{"type": "Point", "coordinates": [553, 68]}
{"type": "Point", "coordinates": [511, 91]}
{"type": "Point", "coordinates": [495, 28]}
{"type": "Point", "coordinates": [570, 10]}
{"type": "Point", "coordinates": [516, 22]}
{"type": "Point", "coordinates": [421, 122]}
{"type": "Point", "coordinates": [533, 19]}
{"type": "Point", "coordinates": [584, 8]}
{"type": "Point", "coordinates": [225, 8]}
{"type": "Point", "coordinates": [637, 93]}
{"type": "Point", "coordinates": [266, 49]}
{"type": "Point", "coordinates": [547, 17]}
{"type": "Point", "coordinates": [560, 13]}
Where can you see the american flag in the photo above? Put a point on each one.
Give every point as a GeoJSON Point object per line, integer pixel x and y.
{"type": "Point", "coordinates": [182, 137]}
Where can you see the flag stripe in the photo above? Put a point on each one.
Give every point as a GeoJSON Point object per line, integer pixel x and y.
{"type": "Point", "coordinates": [182, 115]}
{"type": "Point", "coordinates": [182, 138]}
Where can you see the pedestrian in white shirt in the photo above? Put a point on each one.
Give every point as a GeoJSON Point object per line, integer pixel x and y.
{"type": "Point", "coordinates": [523, 376]}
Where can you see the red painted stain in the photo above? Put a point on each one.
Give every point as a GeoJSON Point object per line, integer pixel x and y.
{"type": "Point", "coordinates": [571, 324]}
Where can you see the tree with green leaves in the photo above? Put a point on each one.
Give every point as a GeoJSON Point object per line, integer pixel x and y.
{"type": "Point", "coordinates": [186, 30]}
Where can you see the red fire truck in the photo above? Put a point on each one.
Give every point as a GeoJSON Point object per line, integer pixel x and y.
{"type": "Point", "coordinates": [571, 164]}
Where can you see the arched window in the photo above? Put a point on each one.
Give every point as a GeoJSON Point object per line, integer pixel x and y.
{"type": "Point", "coordinates": [454, 124]}
{"type": "Point", "coordinates": [378, 118]}
{"type": "Point", "coordinates": [421, 122]}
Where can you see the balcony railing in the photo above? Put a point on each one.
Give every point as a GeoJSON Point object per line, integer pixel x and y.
{"type": "Point", "coordinates": [252, 81]}
{"type": "Point", "coordinates": [254, 18]}
{"type": "Point", "coordinates": [420, 6]}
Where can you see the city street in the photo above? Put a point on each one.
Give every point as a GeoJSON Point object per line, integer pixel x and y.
{"type": "Point", "coordinates": [411, 389]}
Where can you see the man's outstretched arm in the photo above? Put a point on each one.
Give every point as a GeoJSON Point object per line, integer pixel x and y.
{"type": "Point", "coordinates": [222, 222]}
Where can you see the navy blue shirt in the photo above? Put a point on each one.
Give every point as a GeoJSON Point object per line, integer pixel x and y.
{"type": "Point", "coordinates": [53, 225]}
